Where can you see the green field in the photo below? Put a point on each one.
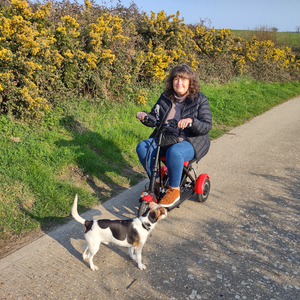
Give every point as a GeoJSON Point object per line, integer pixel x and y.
{"type": "Point", "coordinates": [281, 39]}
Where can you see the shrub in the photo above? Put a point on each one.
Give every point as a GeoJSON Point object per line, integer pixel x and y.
{"type": "Point", "coordinates": [24, 44]}
{"type": "Point", "coordinates": [166, 41]}
{"type": "Point", "coordinates": [53, 51]}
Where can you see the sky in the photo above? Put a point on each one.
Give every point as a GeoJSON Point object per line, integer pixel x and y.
{"type": "Point", "coordinates": [231, 14]}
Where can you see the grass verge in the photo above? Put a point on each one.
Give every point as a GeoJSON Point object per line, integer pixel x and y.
{"type": "Point", "coordinates": [90, 150]}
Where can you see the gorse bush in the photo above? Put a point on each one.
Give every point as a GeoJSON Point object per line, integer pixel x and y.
{"type": "Point", "coordinates": [264, 62]}
{"type": "Point", "coordinates": [42, 62]}
{"type": "Point", "coordinates": [24, 53]}
{"type": "Point", "coordinates": [53, 51]}
{"type": "Point", "coordinates": [166, 41]}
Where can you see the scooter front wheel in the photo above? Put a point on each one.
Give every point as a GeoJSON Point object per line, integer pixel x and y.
{"type": "Point", "coordinates": [143, 207]}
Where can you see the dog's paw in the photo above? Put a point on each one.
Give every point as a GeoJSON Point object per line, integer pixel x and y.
{"type": "Point", "coordinates": [85, 257]}
{"type": "Point", "coordinates": [94, 268]}
{"type": "Point", "coordinates": [142, 267]}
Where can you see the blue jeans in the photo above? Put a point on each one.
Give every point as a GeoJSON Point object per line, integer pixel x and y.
{"type": "Point", "coordinates": [176, 155]}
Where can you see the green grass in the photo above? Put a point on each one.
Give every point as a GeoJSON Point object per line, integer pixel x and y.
{"type": "Point", "coordinates": [90, 150]}
{"type": "Point", "coordinates": [236, 102]}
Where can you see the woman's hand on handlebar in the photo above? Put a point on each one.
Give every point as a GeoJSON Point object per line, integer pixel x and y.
{"type": "Point", "coordinates": [183, 123]}
{"type": "Point", "coordinates": [141, 115]}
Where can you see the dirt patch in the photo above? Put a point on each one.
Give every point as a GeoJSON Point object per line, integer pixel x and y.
{"type": "Point", "coordinates": [15, 243]}
{"type": "Point", "coordinates": [86, 181]}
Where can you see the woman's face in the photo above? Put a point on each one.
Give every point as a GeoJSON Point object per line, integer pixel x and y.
{"type": "Point", "coordinates": [180, 85]}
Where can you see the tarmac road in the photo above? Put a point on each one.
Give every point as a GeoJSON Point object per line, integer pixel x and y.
{"type": "Point", "coordinates": [243, 243]}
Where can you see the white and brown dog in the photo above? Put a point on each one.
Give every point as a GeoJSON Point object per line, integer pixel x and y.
{"type": "Point", "coordinates": [130, 233]}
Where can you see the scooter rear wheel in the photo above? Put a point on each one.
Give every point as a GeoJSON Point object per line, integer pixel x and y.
{"type": "Point", "coordinates": [206, 188]}
{"type": "Point", "coordinates": [143, 207]}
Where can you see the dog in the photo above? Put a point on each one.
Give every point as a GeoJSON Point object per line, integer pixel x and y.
{"type": "Point", "coordinates": [130, 233]}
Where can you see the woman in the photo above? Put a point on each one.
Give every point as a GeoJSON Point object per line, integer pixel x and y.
{"type": "Point", "coordinates": [183, 101]}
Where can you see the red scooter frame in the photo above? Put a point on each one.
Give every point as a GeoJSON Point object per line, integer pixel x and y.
{"type": "Point", "coordinates": [190, 182]}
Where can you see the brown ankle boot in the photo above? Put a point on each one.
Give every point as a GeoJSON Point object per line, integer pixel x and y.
{"type": "Point", "coordinates": [171, 196]}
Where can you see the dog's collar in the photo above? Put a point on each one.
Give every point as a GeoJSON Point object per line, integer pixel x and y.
{"type": "Point", "coordinates": [148, 228]}
{"type": "Point", "coordinates": [145, 225]}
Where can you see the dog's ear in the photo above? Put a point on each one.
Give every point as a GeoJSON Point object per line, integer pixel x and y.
{"type": "Point", "coordinates": [163, 212]}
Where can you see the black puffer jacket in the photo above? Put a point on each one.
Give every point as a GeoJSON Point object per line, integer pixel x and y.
{"type": "Point", "coordinates": [199, 111]}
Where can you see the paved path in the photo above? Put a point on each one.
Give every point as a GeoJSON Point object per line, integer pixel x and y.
{"type": "Point", "coordinates": [243, 243]}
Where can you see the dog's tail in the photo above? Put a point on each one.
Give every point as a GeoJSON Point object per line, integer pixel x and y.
{"type": "Point", "coordinates": [75, 213]}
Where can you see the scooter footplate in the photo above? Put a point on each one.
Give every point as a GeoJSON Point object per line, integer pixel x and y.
{"type": "Point", "coordinates": [183, 197]}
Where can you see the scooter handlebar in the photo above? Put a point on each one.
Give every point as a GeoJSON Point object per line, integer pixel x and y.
{"type": "Point", "coordinates": [170, 123]}
{"type": "Point", "coordinates": [146, 118]}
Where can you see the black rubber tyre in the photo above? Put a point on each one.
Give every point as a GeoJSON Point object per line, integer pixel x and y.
{"type": "Point", "coordinates": [203, 197]}
{"type": "Point", "coordinates": [143, 207]}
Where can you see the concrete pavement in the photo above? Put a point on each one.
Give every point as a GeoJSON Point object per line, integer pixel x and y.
{"type": "Point", "coordinates": [243, 243]}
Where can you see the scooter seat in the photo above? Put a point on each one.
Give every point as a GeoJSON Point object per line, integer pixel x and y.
{"type": "Point", "coordinates": [186, 163]}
